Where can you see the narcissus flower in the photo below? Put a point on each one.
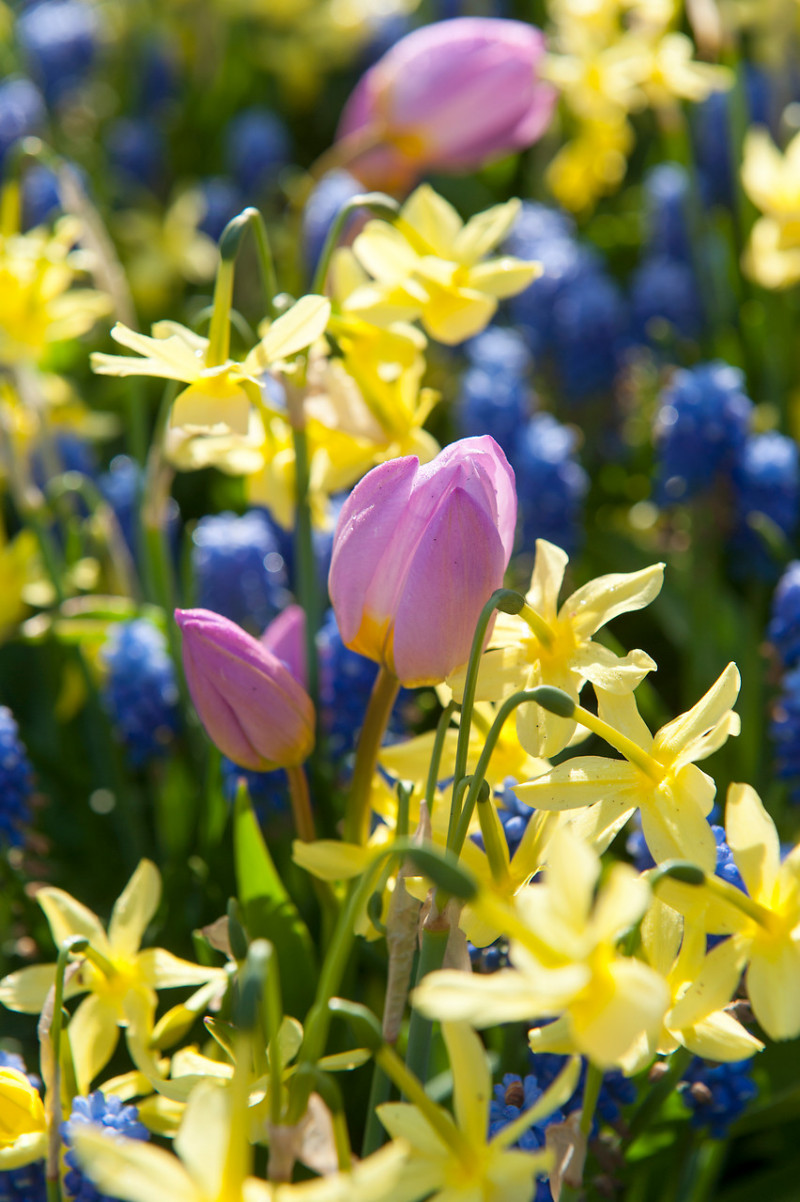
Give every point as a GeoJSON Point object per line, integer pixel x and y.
{"type": "Point", "coordinates": [249, 702]}
{"type": "Point", "coordinates": [418, 551]}
{"type": "Point", "coordinates": [121, 993]}
{"type": "Point", "coordinates": [219, 396]}
{"type": "Point", "coordinates": [23, 1127]}
{"type": "Point", "coordinates": [447, 97]}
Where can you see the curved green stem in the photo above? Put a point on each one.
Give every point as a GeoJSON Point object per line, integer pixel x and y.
{"type": "Point", "coordinates": [377, 202]}
{"type": "Point", "coordinates": [436, 754]}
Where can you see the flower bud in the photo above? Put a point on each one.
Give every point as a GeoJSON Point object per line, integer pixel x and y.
{"type": "Point", "coordinates": [417, 553]}
{"type": "Point", "coordinates": [447, 97]}
{"type": "Point", "coordinates": [252, 707]}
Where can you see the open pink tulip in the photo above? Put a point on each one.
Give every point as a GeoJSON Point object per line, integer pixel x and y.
{"type": "Point", "coordinates": [251, 705]}
{"type": "Point", "coordinates": [417, 553]}
{"type": "Point", "coordinates": [449, 97]}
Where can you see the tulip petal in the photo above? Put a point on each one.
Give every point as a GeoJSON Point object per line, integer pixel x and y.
{"type": "Point", "coordinates": [450, 578]}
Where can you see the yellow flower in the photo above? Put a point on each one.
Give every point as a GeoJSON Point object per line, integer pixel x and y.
{"type": "Point", "coordinates": [219, 395]}
{"type": "Point", "coordinates": [592, 164]}
{"type": "Point", "coordinates": [659, 776]}
{"type": "Point", "coordinates": [702, 985]}
{"type": "Point", "coordinates": [20, 567]}
{"type": "Point", "coordinates": [453, 1161]}
{"type": "Point", "coordinates": [211, 1163]}
{"type": "Point", "coordinates": [772, 181]}
{"type": "Point", "coordinates": [564, 952]}
{"type": "Point", "coordinates": [23, 1127]}
{"type": "Point", "coordinates": [164, 252]}
{"type": "Point", "coordinates": [432, 258]}
{"type": "Point", "coordinates": [38, 304]}
{"type": "Point", "coordinates": [548, 644]}
{"type": "Point", "coordinates": [122, 991]}
{"type": "Point", "coordinates": [765, 922]}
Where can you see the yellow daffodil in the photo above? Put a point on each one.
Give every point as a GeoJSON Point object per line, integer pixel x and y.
{"type": "Point", "coordinates": [20, 567]}
{"type": "Point", "coordinates": [431, 254]}
{"type": "Point", "coordinates": [659, 775]}
{"type": "Point", "coordinates": [765, 921]}
{"type": "Point", "coordinates": [674, 74]}
{"type": "Point", "coordinates": [38, 304]}
{"type": "Point", "coordinates": [211, 1163]}
{"type": "Point", "coordinates": [121, 981]}
{"type": "Point", "coordinates": [772, 181]}
{"type": "Point", "coordinates": [548, 644]}
{"type": "Point", "coordinates": [592, 164]}
{"type": "Point", "coordinates": [219, 395]}
{"type": "Point", "coordinates": [163, 251]}
{"type": "Point", "coordinates": [452, 1160]}
{"type": "Point", "coordinates": [565, 962]}
{"type": "Point", "coordinates": [702, 986]}
{"type": "Point", "coordinates": [23, 1126]}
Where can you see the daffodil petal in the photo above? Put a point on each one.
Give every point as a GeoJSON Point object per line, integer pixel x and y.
{"type": "Point", "coordinates": [622, 902]}
{"type": "Point", "coordinates": [485, 231]}
{"type": "Point", "coordinates": [134, 909]}
{"type": "Point", "coordinates": [637, 1003]}
{"type": "Point", "coordinates": [434, 219]}
{"type": "Point", "coordinates": [720, 1037]}
{"type": "Point", "coordinates": [674, 828]}
{"type": "Point", "coordinates": [293, 331]}
{"type": "Point", "coordinates": [472, 1081]}
{"type": "Point", "coordinates": [26, 989]}
{"type": "Point", "coordinates": [753, 839]}
{"type": "Point", "coordinates": [773, 986]}
{"type": "Point", "coordinates": [131, 1170]}
{"type": "Point", "coordinates": [713, 987]}
{"type": "Point", "coordinates": [93, 1035]}
{"type": "Point", "coordinates": [548, 576]}
{"type": "Point", "coordinates": [68, 917]}
{"type": "Point", "coordinates": [500, 997]}
{"type": "Point", "coordinates": [673, 738]}
{"type": "Point", "coordinates": [605, 597]}
{"type": "Point", "coordinates": [330, 859]}
{"type": "Point", "coordinates": [616, 674]}
{"type": "Point", "coordinates": [581, 781]}
{"type": "Point", "coordinates": [384, 252]}
{"type": "Point", "coordinates": [159, 969]}
{"type": "Point", "coordinates": [404, 1121]}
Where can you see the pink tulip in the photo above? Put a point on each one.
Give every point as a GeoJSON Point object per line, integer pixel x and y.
{"type": "Point", "coordinates": [252, 707]}
{"type": "Point", "coordinates": [417, 553]}
{"type": "Point", "coordinates": [285, 637]}
{"type": "Point", "coordinates": [447, 97]}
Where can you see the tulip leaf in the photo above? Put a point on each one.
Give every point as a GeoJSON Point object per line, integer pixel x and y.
{"type": "Point", "coordinates": [268, 910]}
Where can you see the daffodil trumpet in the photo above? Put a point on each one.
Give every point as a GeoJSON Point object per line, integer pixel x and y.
{"type": "Point", "coordinates": [378, 203]}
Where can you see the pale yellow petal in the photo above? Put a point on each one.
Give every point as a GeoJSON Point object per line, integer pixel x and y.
{"type": "Point", "coordinates": [93, 1035]}
{"type": "Point", "coordinates": [714, 986]}
{"type": "Point", "coordinates": [485, 231]}
{"type": "Point", "coordinates": [384, 252]}
{"type": "Point", "coordinates": [548, 576]}
{"type": "Point", "coordinates": [434, 219]}
{"type": "Point", "coordinates": [773, 986]}
{"type": "Point", "coordinates": [620, 711]}
{"type": "Point", "coordinates": [134, 909]}
{"type": "Point", "coordinates": [131, 1170]}
{"type": "Point", "coordinates": [753, 839]}
{"type": "Point", "coordinates": [674, 828]}
{"type": "Point", "coordinates": [330, 859]}
{"type": "Point", "coordinates": [203, 1140]}
{"type": "Point", "coordinates": [633, 1001]}
{"type": "Point", "coordinates": [615, 673]}
{"type": "Point", "coordinates": [712, 706]}
{"type": "Point", "coordinates": [504, 996]}
{"type": "Point", "coordinates": [452, 315]}
{"type": "Point", "coordinates": [582, 781]}
{"type": "Point", "coordinates": [720, 1037]}
{"type": "Point", "coordinates": [293, 331]}
{"type": "Point", "coordinates": [621, 902]}
{"type": "Point", "coordinates": [68, 917]}
{"type": "Point", "coordinates": [503, 277]}
{"type": "Point", "coordinates": [26, 989]}
{"type": "Point", "coordinates": [602, 599]}
{"type": "Point", "coordinates": [159, 969]}
{"type": "Point", "coordinates": [472, 1081]}
{"type": "Point", "coordinates": [404, 1121]}
{"type": "Point", "coordinates": [661, 933]}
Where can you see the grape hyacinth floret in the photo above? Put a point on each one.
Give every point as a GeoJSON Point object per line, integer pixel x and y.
{"type": "Point", "coordinates": [551, 484]}
{"type": "Point", "coordinates": [717, 1094]}
{"type": "Point", "coordinates": [113, 1116]}
{"type": "Point", "coordinates": [16, 781]}
{"type": "Point", "coordinates": [239, 570]}
{"type": "Point", "coordinates": [140, 691]}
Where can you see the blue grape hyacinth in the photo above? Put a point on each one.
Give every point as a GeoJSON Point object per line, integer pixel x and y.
{"type": "Point", "coordinates": [16, 782]}
{"type": "Point", "coordinates": [784, 624]}
{"type": "Point", "coordinates": [59, 41]}
{"type": "Point", "coordinates": [511, 1098]}
{"type": "Point", "coordinates": [717, 1094]}
{"type": "Point", "coordinates": [322, 208]}
{"type": "Point", "coordinates": [701, 426]}
{"type": "Point", "coordinates": [22, 111]}
{"type": "Point", "coordinates": [238, 567]}
{"type": "Point", "coordinates": [140, 692]}
{"type": "Point", "coordinates": [766, 484]}
{"type": "Point", "coordinates": [114, 1117]}
{"type": "Point", "coordinates": [551, 484]}
{"type": "Point", "coordinates": [257, 147]}
{"type": "Point", "coordinates": [495, 396]}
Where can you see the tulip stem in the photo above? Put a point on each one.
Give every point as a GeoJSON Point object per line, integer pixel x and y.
{"type": "Point", "coordinates": [382, 698]}
{"type": "Point", "coordinates": [305, 564]}
{"type": "Point", "coordinates": [509, 602]}
{"type": "Point", "coordinates": [301, 804]}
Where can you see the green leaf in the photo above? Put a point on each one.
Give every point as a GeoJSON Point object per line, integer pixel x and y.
{"type": "Point", "coordinates": [268, 910]}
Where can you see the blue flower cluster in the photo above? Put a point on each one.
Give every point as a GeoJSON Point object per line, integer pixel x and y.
{"type": "Point", "coordinates": [239, 570]}
{"type": "Point", "coordinates": [322, 208]}
{"type": "Point", "coordinates": [496, 397]}
{"type": "Point", "coordinates": [16, 781]}
{"type": "Point", "coordinates": [616, 1092]}
{"type": "Point", "coordinates": [664, 288]}
{"type": "Point", "coordinates": [573, 315]}
{"type": "Point", "coordinates": [717, 1094]}
{"type": "Point", "coordinates": [25, 1184]}
{"type": "Point", "coordinates": [100, 1111]}
{"type": "Point", "coordinates": [784, 634]}
{"type": "Point", "coordinates": [511, 1098]}
{"type": "Point", "coordinates": [140, 692]}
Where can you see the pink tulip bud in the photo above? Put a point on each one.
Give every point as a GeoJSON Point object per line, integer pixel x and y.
{"type": "Point", "coordinates": [447, 97]}
{"type": "Point", "coordinates": [285, 637]}
{"type": "Point", "coordinates": [417, 553]}
{"type": "Point", "coordinates": [252, 707]}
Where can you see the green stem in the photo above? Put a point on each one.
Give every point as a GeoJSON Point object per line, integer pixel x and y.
{"type": "Point", "coordinates": [380, 1092]}
{"type": "Point", "coordinates": [591, 1092]}
{"type": "Point", "coordinates": [494, 840]}
{"type": "Point", "coordinates": [658, 1094]}
{"type": "Point", "coordinates": [356, 819]}
{"type": "Point", "coordinates": [301, 804]}
{"type": "Point", "coordinates": [431, 958]}
{"type": "Point", "coordinates": [273, 1007]}
{"type": "Point", "coordinates": [412, 1088]}
{"type": "Point", "coordinates": [509, 705]}
{"type": "Point", "coordinates": [219, 334]}
{"type": "Point", "coordinates": [436, 755]}
{"type": "Point", "coordinates": [509, 602]}
{"type": "Point", "coordinates": [69, 947]}
{"type": "Point", "coordinates": [307, 591]}
{"type": "Point", "coordinates": [377, 202]}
